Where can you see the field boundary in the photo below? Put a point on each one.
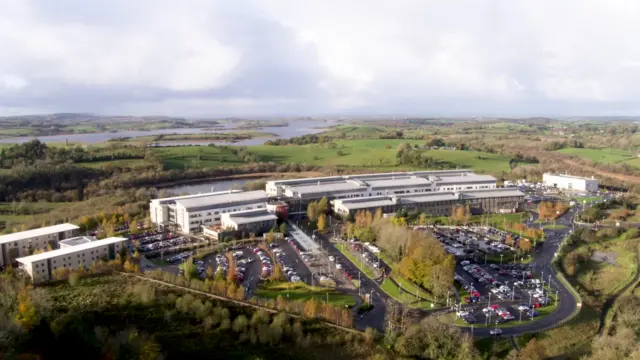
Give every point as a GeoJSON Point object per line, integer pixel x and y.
{"type": "Point", "coordinates": [238, 302]}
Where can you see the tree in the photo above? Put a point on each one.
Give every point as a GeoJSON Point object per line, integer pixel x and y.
{"type": "Point", "coordinates": [532, 351]}
{"type": "Point", "coordinates": [524, 245]}
{"type": "Point", "coordinates": [322, 222]}
{"type": "Point", "coordinates": [283, 228]}
{"type": "Point", "coordinates": [133, 227]}
{"type": "Point", "coordinates": [509, 240]}
{"type": "Point", "coordinates": [323, 206]}
{"type": "Point", "coordinates": [422, 219]}
{"type": "Point", "coordinates": [26, 316]}
{"type": "Point", "coordinates": [312, 211]}
{"type": "Point", "coordinates": [190, 269]}
{"type": "Point", "coordinates": [432, 339]}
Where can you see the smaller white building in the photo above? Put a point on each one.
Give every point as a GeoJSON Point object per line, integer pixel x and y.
{"type": "Point", "coordinates": [41, 266]}
{"type": "Point", "coordinates": [570, 182]}
{"type": "Point", "coordinates": [23, 243]}
{"type": "Point", "coordinates": [256, 221]}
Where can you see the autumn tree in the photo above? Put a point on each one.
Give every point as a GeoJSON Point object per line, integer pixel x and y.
{"type": "Point", "coordinates": [323, 206]}
{"type": "Point", "coordinates": [26, 316]}
{"type": "Point", "coordinates": [312, 211]}
{"type": "Point", "coordinates": [524, 245]}
{"type": "Point", "coordinates": [322, 222]}
{"type": "Point", "coordinates": [422, 219]}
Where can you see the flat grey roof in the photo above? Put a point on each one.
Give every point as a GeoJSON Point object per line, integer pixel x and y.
{"type": "Point", "coordinates": [402, 182]}
{"type": "Point", "coordinates": [470, 178]}
{"type": "Point", "coordinates": [37, 232]}
{"type": "Point", "coordinates": [428, 197]}
{"type": "Point", "coordinates": [366, 202]}
{"type": "Point", "coordinates": [69, 250]}
{"type": "Point", "coordinates": [77, 240]}
{"type": "Point", "coordinates": [366, 177]}
{"type": "Point", "coordinates": [251, 216]}
{"type": "Point", "coordinates": [173, 199]}
{"type": "Point", "coordinates": [221, 199]}
{"type": "Point", "coordinates": [327, 187]}
{"type": "Point", "coordinates": [492, 193]}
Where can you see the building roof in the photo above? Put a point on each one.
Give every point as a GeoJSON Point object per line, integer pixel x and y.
{"type": "Point", "coordinates": [173, 199]}
{"type": "Point", "coordinates": [250, 216]}
{"type": "Point", "coordinates": [37, 232]}
{"type": "Point", "coordinates": [428, 197]}
{"type": "Point", "coordinates": [368, 177]}
{"type": "Point", "coordinates": [492, 193]}
{"type": "Point", "coordinates": [569, 176]}
{"type": "Point", "coordinates": [327, 188]}
{"type": "Point", "coordinates": [77, 240]}
{"type": "Point", "coordinates": [69, 250]}
{"type": "Point", "coordinates": [223, 199]}
{"type": "Point", "coordinates": [366, 202]}
{"type": "Point", "coordinates": [468, 178]}
{"type": "Point", "coordinates": [400, 182]}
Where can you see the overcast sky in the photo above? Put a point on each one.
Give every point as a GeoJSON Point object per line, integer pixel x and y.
{"type": "Point", "coordinates": [312, 57]}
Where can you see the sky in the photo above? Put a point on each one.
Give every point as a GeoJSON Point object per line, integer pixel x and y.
{"type": "Point", "coordinates": [320, 57]}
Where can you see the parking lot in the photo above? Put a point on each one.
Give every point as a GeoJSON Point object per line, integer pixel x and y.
{"type": "Point", "coordinates": [499, 293]}
{"type": "Point", "coordinates": [153, 244]}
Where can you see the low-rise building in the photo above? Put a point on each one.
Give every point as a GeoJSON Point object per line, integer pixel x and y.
{"type": "Point", "coordinates": [41, 267]}
{"type": "Point", "coordinates": [76, 241]}
{"type": "Point", "coordinates": [570, 182]}
{"type": "Point", "coordinates": [13, 246]}
{"type": "Point", "coordinates": [187, 214]}
{"type": "Point", "coordinates": [438, 203]}
{"type": "Point", "coordinates": [299, 192]}
{"type": "Point", "coordinates": [241, 223]}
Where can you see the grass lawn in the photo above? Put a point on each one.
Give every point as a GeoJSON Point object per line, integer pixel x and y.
{"type": "Point", "coordinates": [600, 155]}
{"type": "Point", "coordinates": [356, 262]}
{"type": "Point", "coordinates": [410, 287]}
{"type": "Point", "coordinates": [373, 153]}
{"type": "Point", "coordinates": [404, 297]}
{"type": "Point", "coordinates": [303, 292]}
{"type": "Point", "coordinates": [184, 157]}
{"type": "Point", "coordinates": [588, 199]}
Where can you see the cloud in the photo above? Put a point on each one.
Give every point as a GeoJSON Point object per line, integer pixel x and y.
{"type": "Point", "coordinates": [251, 57]}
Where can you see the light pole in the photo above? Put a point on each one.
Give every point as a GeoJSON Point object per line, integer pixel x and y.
{"type": "Point", "coordinates": [501, 255]}
{"type": "Point", "coordinates": [513, 292]}
{"type": "Point", "coordinates": [520, 314]}
{"type": "Point", "coordinates": [489, 304]}
{"type": "Point", "coordinates": [549, 282]}
{"type": "Point", "coordinates": [529, 300]}
{"type": "Point", "coordinates": [556, 297]}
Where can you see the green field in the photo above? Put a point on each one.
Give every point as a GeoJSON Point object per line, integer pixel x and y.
{"type": "Point", "coordinates": [16, 132]}
{"type": "Point", "coordinates": [302, 292]}
{"type": "Point", "coordinates": [374, 153]}
{"type": "Point", "coordinates": [403, 296]}
{"type": "Point", "coordinates": [184, 157]}
{"type": "Point", "coordinates": [600, 155]}
{"type": "Point", "coordinates": [355, 131]}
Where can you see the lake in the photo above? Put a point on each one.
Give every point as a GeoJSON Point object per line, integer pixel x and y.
{"type": "Point", "coordinates": [220, 185]}
{"type": "Point", "coordinates": [295, 128]}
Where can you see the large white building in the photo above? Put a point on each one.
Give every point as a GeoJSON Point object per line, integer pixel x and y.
{"type": "Point", "coordinates": [301, 191]}
{"type": "Point", "coordinates": [24, 243]}
{"type": "Point", "coordinates": [41, 266]}
{"type": "Point", "coordinates": [188, 213]}
{"type": "Point", "coordinates": [570, 182]}
{"type": "Point", "coordinates": [439, 203]}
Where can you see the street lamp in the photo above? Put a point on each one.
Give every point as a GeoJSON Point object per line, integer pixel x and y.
{"type": "Point", "coordinates": [501, 255]}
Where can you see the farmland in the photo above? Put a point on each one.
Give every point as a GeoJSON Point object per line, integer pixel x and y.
{"type": "Point", "coordinates": [600, 155]}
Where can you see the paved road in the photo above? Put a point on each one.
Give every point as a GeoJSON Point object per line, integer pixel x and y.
{"type": "Point", "coordinates": [374, 318]}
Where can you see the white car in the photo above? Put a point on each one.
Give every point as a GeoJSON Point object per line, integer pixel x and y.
{"type": "Point", "coordinates": [466, 262]}
{"type": "Point", "coordinates": [495, 331]}
{"type": "Point", "coordinates": [331, 258]}
{"type": "Point", "coordinates": [338, 266]}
